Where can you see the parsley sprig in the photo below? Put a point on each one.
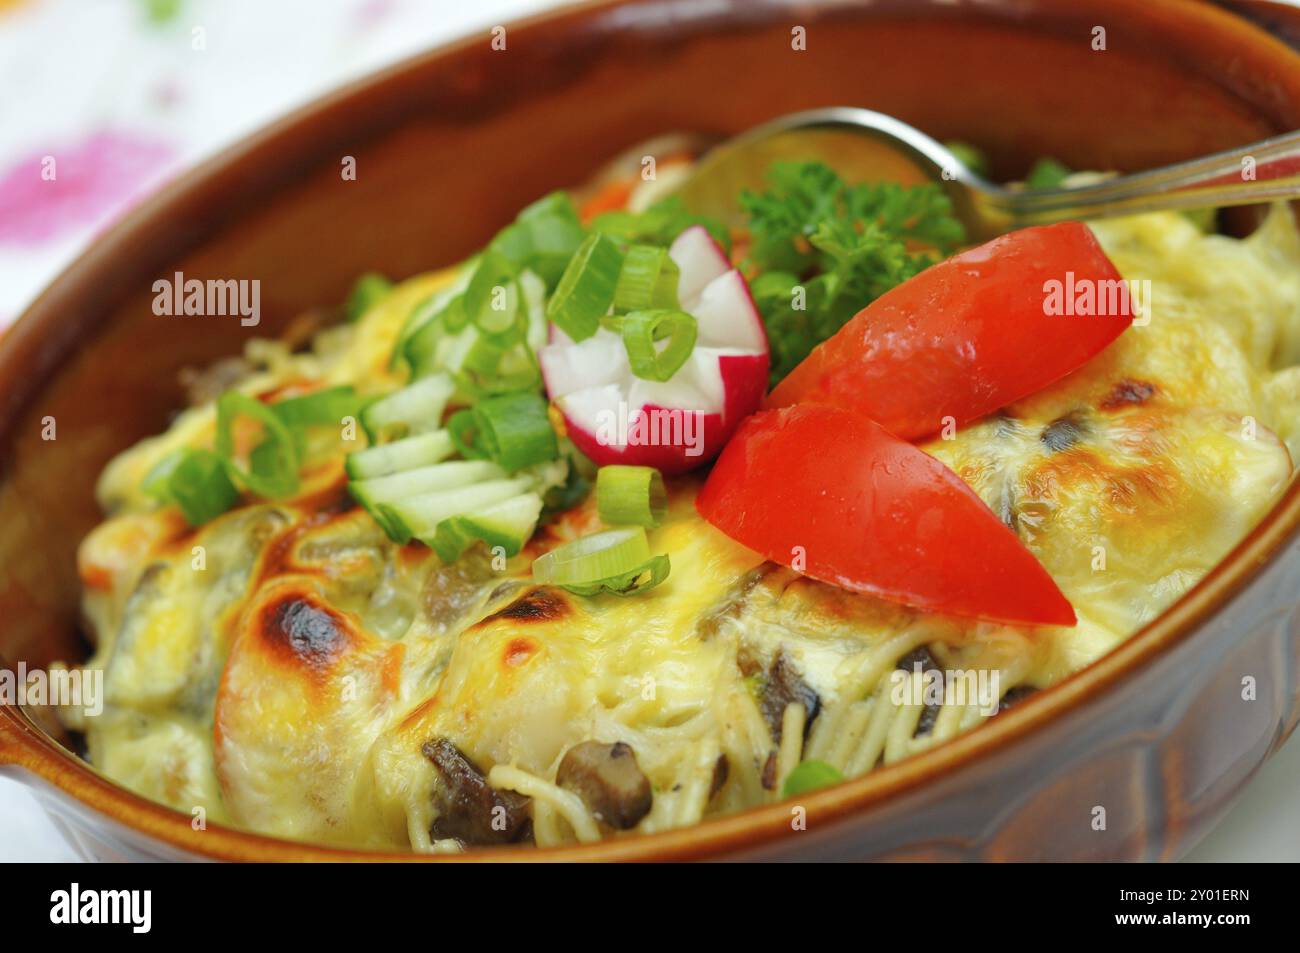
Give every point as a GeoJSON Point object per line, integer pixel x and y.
{"type": "Point", "coordinates": [824, 249]}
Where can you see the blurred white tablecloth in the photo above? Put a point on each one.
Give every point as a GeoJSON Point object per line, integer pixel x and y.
{"type": "Point", "coordinates": [121, 94]}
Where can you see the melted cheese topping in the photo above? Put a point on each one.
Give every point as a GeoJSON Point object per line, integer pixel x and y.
{"type": "Point", "coordinates": [285, 666]}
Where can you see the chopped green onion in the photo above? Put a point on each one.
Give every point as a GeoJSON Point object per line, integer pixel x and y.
{"type": "Point", "coordinates": [471, 351]}
{"type": "Point", "coordinates": [643, 330]}
{"type": "Point", "coordinates": [157, 482]}
{"type": "Point", "coordinates": [554, 233]}
{"type": "Point", "coordinates": [555, 204]}
{"type": "Point", "coordinates": [493, 301]}
{"type": "Point", "coordinates": [543, 237]}
{"type": "Point", "coordinates": [453, 316]}
{"type": "Point", "coordinates": [421, 450]}
{"type": "Point", "coordinates": [646, 576]}
{"type": "Point", "coordinates": [809, 776]}
{"type": "Point", "coordinates": [415, 408]}
{"type": "Point", "coordinates": [508, 525]}
{"type": "Point", "coordinates": [196, 481]}
{"type": "Point", "coordinates": [513, 430]}
{"type": "Point", "coordinates": [272, 469]}
{"type": "Point", "coordinates": [447, 475]}
{"type": "Point", "coordinates": [593, 558]}
{"type": "Point", "coordinates": [369, 289]}
{"type": "Point", "coordinates": [480, 386]}
{"type": "Point", "coordinates": [514, 242]}
{"type": "Point", "coordinates": [631, 495]}
{"type": "Point", "coordinates": [322, 408]}
{"type": "Point", "coordinates": [462, 427]}
{"type": "Point", "coordinates": [648, 280]}
{"type": "Point", "coordinates": [440, 307]}
{"type": "Point", "coordinates": [567, 493]}
{"type": "Point", "coordinates": [418, 516]}
{"type": "Point", "coordinates": [420, 348]}
{"type": "Point", "coordinates": [201, 487]}
{"type": "Point", "coordinates": [586, 289]}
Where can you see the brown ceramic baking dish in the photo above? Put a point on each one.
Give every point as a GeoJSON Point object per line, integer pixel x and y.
{"type": "Point", "coordinates": [450, 144]}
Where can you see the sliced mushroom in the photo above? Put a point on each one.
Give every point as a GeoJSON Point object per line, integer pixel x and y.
{"type": "Point", "coordinates": [1063, 433]}
{"type": "Point", "coordinates": [469, 809]}
{"type": "Point", "coordinates": [733, 603]}
{"type": "Point", "coordinates": [784, 686]}
{"type": "Point", "coordinates": [768, 776]}
{"type": "Point", "coordinates": [928, 663]}
{"type": "Point", "coordinates": [609, 781]}
{"type": "Point", "coordinates": [1015, 695]}
{"type": "Point", "coordinates": [721, 771]}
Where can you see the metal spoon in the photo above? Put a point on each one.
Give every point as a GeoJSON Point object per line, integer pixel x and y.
{"type": "Point", "coordinates": [860, 144]}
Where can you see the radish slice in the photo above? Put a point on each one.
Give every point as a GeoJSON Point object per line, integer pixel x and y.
{"type": "Point", "coordinates": [700, 260]}
{"type": "Point", "coordinates": [727, 315]}
{"type": "Point", "coordinates": [614, 417]}
{"type": "Point", "coordinates": [601, 359]}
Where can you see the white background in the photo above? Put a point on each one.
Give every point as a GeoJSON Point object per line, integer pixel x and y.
{"type": "Point", "coordinates": [70, 67]}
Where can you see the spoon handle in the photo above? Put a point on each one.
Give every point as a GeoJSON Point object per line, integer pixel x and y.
{"type": "Point", "coordinates": [1260, 172]}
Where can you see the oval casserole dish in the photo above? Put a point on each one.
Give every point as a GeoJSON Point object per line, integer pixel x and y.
{"type": "Point", "coordinates": [1155, 731]}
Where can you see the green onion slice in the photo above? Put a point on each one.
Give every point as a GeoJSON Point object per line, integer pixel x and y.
{"type": "Point", "coordinates": [648, 280]}
{"type": "Point", "coordinates": [322, 408]}
{"type": "Point", "coordinates": [420, 350]}
{"type": "Point", "coordinates": [513, 430]}
{"type": "Point", "coordinates": [462, 427]}
{"type": "Point", "coordinates": [415, 408]}
{"type": "Point", "coordinates": [595, 558]}
{"type": "Point", "coordinates": [586, 289]}
{"type": "Point", "coordinates": [157, 482]}
{"type": "Point", "coordinates": [543, 237]}
{"type": "Point", "coordinates": [631, 495]}
{"type": "Point", "coordinates": [643, 577]}
{"type": "Point", "coordinates": [527, 377]}
{"type": "Point", "coordinates": [642, 333]}
{"type": "Point", "coordinates": [272, 469]}
{"type": "Point", "coordinates": [809, 776]}
{"type": "Point", "coordinates": [369, 289]}
{"type": "Point", "coordinates": [493, 301]}
{"type": "Point", "coordinates": [201, 487]}
{"type": "Point", "coordinates": [196, 481]}
{"type": "Point", "coordinates": [453, 316]}
{"type": "Point", "coordinates": [554, 234]}
{"type": "Point", "coordinates": [617, 561]}
{"type": "Point", "coordinates": [508, 525]}
{"type": "Point", "coordinates": [556, 204]}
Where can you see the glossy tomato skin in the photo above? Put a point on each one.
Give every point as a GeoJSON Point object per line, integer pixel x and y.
{"type": "Point", "coordinates": [872, 513]}
{"type": "Point", "coordinates": [968, 335]}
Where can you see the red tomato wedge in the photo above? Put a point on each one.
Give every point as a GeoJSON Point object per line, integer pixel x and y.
{"type": "Point", "coordinates": [872, 513]}
{"type": "Point", "coordinates": [970, 334]}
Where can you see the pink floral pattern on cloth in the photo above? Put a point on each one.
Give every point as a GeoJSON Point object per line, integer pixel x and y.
{"type": "Point", "coordinates": [44, 196]}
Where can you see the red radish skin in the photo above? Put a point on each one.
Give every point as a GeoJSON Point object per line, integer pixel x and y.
{"type": "Point", "coordinates": [723, 382]}
{"type": "Point", "coordinates": [872, 513]}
